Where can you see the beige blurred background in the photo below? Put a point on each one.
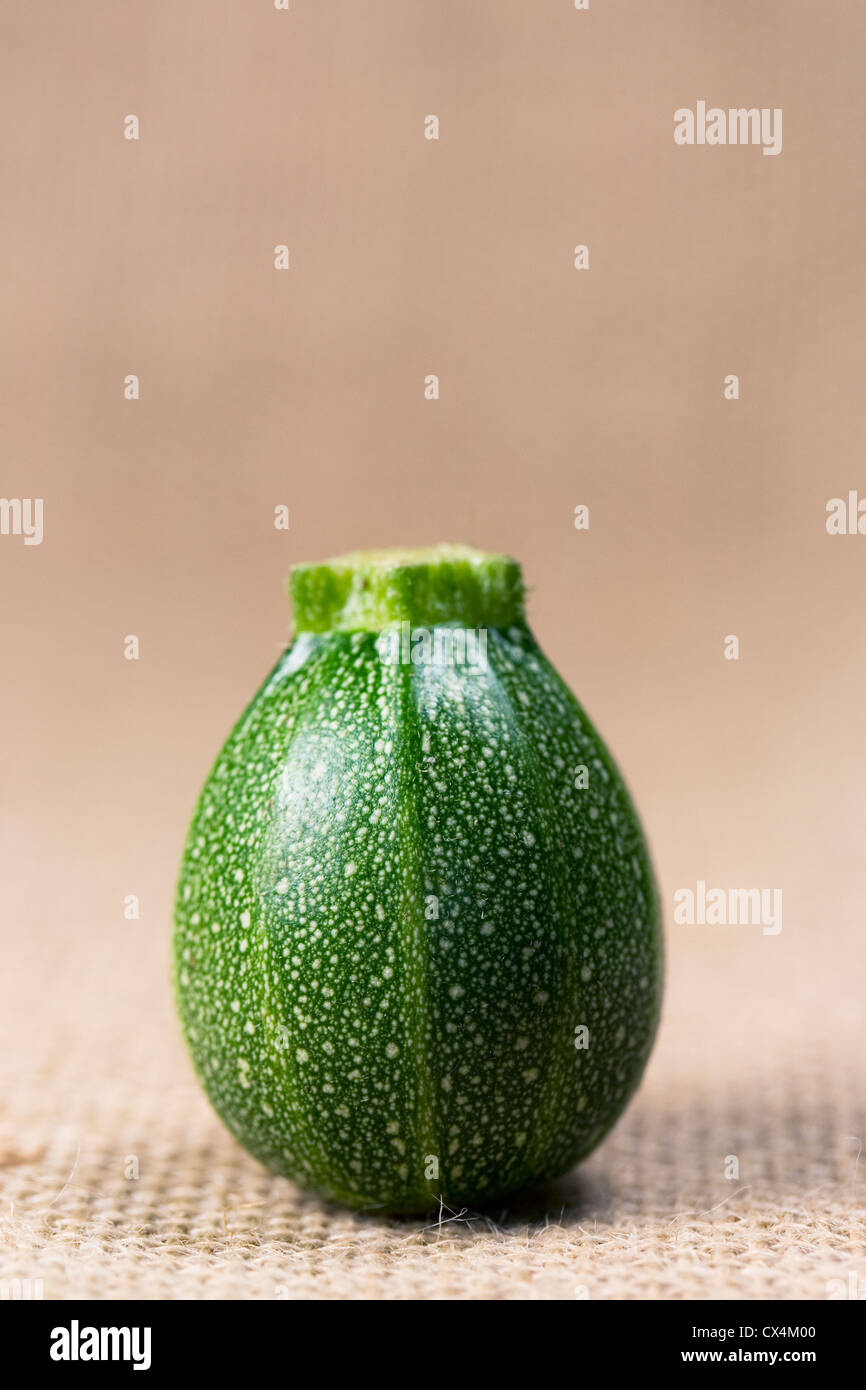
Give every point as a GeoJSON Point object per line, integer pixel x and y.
{"type": "Point", "coordinates": [558, 387]}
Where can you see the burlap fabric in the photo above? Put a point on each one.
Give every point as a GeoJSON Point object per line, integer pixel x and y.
{"type": "Point", "coordinates": [751, 1072]}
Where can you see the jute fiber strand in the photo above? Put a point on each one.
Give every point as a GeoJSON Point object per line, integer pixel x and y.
{"type": "Point", "coordinates": [96, 1086]}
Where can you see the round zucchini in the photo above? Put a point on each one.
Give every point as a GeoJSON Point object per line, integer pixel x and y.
{"type": "Point", "coordinates": [417, 948]}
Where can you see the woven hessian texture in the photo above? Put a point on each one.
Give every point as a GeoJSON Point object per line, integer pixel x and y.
{"type": "Point", "coordinates": [97, 1085]}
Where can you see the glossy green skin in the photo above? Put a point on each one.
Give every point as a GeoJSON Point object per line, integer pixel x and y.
{"type": "Point", "coordinates": [395, 914]}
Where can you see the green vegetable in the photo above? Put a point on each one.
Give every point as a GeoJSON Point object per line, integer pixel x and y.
{"type": "Point", "coordinates": [417, 948]}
